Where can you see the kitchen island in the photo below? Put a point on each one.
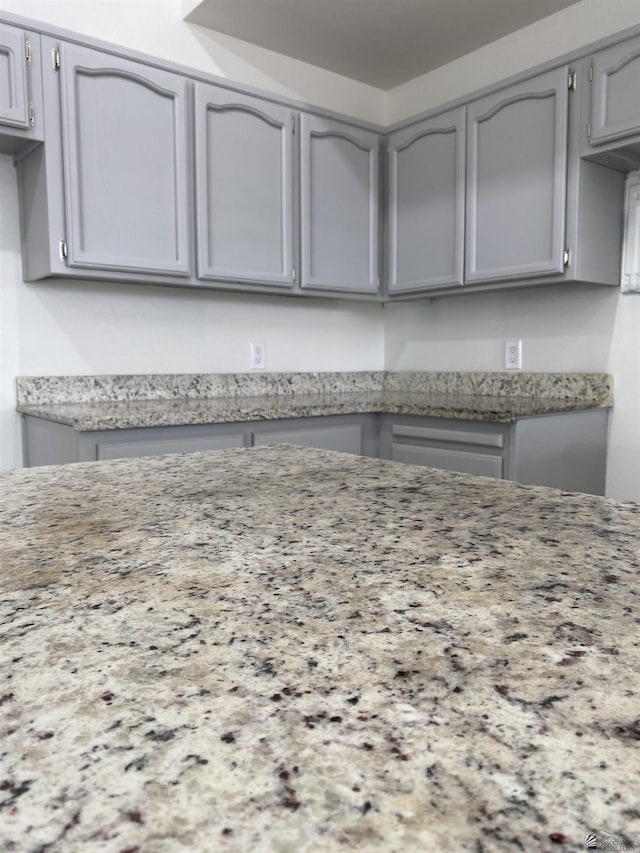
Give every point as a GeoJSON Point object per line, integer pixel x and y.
{"type": "Point", "coordinates": [285, 649]}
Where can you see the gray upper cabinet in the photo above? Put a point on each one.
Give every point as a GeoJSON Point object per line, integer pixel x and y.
{"type": "Point", "coordinates": [615, 107]}
{"type": "Point", "coordinates": [20, 92]}
{"type": "Point", "coordinates": [125, 164]}
{"type": "Point", "coordinates": [516, 180]}
{"type": "Point", "coordinates": [339, 169]}
{"type": "Point", "coordinates": [244, 188]}
{"type": "Point", "coordinates": [425, 204]}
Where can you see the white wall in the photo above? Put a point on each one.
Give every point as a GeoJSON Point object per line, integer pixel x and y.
{"type": "Point", "coordinates": [575, 329]}
{"type": "Point", "coordinates": [567, 30]}
{"type": "Point", "coordinates": [156, 27]}
{"type": "Point", "coordinates": [88, 328]}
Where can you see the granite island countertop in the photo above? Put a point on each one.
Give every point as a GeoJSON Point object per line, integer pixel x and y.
{"type": "Point", "coordinates": [104, 403]}
{"type": "Point", "coordinates": [284, 649]}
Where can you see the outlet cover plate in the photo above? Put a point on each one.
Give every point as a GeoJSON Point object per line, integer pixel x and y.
{"type": "Point", "coordinates": [513, 355]}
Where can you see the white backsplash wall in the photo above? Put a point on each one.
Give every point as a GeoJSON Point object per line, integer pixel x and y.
{"type": "Point", "coordinates": [59, 328]}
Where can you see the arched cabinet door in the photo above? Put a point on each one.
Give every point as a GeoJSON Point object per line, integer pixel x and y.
{"type": "Point", "coordinates": [339, 168]}
{"type": "Point", "coordinates": [244, 188]}
{"type": "Point", "coordinates": [516, 180]}
{"type": "Point", "coordinates": [615, 96]}
{"type": "Point", "coordinates": [426, 204]}
{"type": "Point", "coordinates": [14, 107]}
{"type": "Point", "coordinates": [125, 159]}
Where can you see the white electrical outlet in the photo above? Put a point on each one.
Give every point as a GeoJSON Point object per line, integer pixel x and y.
{"type": "Point", "coordinates": [258, 356]}
{"type": "Point", "coordinates": [513, 355]}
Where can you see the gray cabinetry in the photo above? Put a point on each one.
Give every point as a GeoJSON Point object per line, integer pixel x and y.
{"type": "Point", "coordinates": [108, 196]}
{"type": "Point", "coordinates": [20, 89]}
{"type": "Point", "coordinates": [342, 437]}
{"type": "Point", "coordinates": [516, 180]}
{"type": "Point", "coordinates": [425, 204]}
{"type": "Point", "coordinates": [564, 451]}
{"type": "Point", "coordinates": [244, 188]}
{"type": "Point", "coordinates": [49, 443]}
{"type": "Point", "coordinates": [339, 168]}
{"type": "Point", "coordinates": [615, 94]}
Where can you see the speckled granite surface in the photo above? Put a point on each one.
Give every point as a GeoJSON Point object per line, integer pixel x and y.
{"type": "Point", "coordinates": [413, 660]}
{"type": "Point", "coordinates": [123, 402]}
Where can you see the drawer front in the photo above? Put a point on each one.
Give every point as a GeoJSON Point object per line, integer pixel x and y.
{"type": "Point", "coordinates": [454, 436]}
{"type": "Point", "coordinates": [127, 450]}
{"type": "Point", "coordinates": [465, 462]}
{"type": "Point", "coordinates": [347, 439]}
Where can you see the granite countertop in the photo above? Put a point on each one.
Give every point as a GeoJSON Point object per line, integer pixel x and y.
{"type": "Point", "coordinates": [182, 400]}
{"type": "Point", "coordinates": [284, 649]}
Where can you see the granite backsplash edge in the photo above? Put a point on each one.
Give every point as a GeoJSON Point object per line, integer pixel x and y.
{"type": "Point", "coordinates": [45, 390]}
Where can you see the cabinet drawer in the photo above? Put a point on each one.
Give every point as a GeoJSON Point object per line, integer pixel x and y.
{"type": "Point", "coordinates": [465, 462]}
{"type": "Point", "coordinates": [455, 436]}
{"type": "Point", "coordinates": [127, 450]}
{"type": "Point", "coordinates": [347, 439]}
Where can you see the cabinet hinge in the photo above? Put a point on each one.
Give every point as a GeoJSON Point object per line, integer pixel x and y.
{"type": "Point", "coordinates": [591, 73]}
{"type": "Point", "coordinates": [293, 124]}
{"type": "Point", "coordinates": [566, 257]}
{"type": "Point", "coordinates": [62, 248]}
{"type": "Point", "coordinates": [55, 59]}
{"type": "Point", "coordinates": [573, 81]}
{"type": "Point", "coordinates": [588, 130]}
{"type": "Point", "coordinates": [293, 274]}
{"type": "Point", "coordinates": [27, 51]}
{"type": "Point", "coordinates": [32, 114]}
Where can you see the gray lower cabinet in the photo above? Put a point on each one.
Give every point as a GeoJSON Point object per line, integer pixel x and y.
{"type": "Point", "coordinates": [244, 188]}
{"type": "Point", "coordinates": [564, 451]}
{"type": "Point", "coordinates": [21, 120]}
{"type": "Point", "coordinates": [516, 180]}
{"type": "Point", "coordinates": [339, 201]}
{"type": "Point", "coordinates": [425, 204]}
{"type": "Point", "coordinates": [49, 443]}
{"type": "Point", "coordinates": [346, 438]}
{"type": "Point", "coordinates": [108, 195]}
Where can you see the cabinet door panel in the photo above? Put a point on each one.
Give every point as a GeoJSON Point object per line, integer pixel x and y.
{"type": "Point", "coordinates": [14, 109]}
{"type": "Point", "coordinates": [426, 204]}
{"type": "Point", "coordinates": [516, 180]}
{"type": "Point", "coordinates": [347, 439]}
{"type": "Point", "coordinates": [615, 95]}
{"type": "Point", "coordinates": [464, 462]}
{"type": "Point", "coordinates": [339, 206]}
{"type": "Point", "coordinates": [151, 447]}
{"type": "Point", "coordinates": [125, 154]}
{"type": "Point", "coordinates": [244, 163]}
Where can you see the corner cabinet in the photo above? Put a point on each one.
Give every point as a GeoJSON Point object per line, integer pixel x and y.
{"type": "Point", "coordinates": [244, 188]}
{"type": "Point", "coordinates": [108, 196]}
{"type": "Point", "coordinates": [563, 451]}
{"type": "Point", "coordinates": [339, 167]}
{"type": "Point", "coordinates": [516, 180]}
{"type": "Point", "coordinates": [20, 89]}
{"type": "Point", "coordinates": [615, 111]}
{"type": "Point", "coordinates": [611, 124]}
{"type": "Point", "coordinates": [425, 204]}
